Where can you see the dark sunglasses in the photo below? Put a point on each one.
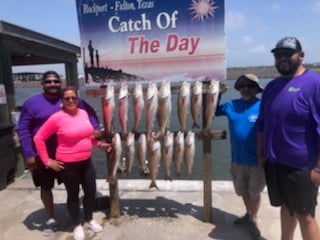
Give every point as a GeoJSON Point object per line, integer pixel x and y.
{"type": "Point", "coordinates": [285, 54]}
{"type": "Point", "coordinates": [73, 98]}
{"type": "Point", "coordinates": [248, 85]}
{"type": "Point", "coordinates": [56, 81]}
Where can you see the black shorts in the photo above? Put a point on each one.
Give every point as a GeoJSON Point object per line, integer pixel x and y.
{"type": "Point", "coordinates": [43, 177]}
{"type": "Point", "coordinates": [291, 187]}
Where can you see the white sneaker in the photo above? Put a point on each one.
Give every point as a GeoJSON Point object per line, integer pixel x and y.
{"type": "Point", "coordinates": [94, 226]}
{"type": "Point", "coordinates": [78, 233]}
{"type": "Point", "coordinates": [50, 227]}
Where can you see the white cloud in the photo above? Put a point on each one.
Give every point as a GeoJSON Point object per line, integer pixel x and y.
{"type": "Point", "coordinates": [235, 20]}
{"type": "Point", "coordinates": [258, 49]}
{"type": "Point", "coordinates": [316, 7]}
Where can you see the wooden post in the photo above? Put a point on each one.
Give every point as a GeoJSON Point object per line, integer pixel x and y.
{"type": "Point", "coordinates": [113, 188]}
{"type": "Point", "coordinates": [207, 188]}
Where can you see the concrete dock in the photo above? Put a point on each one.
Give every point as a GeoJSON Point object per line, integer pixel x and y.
{"type": "Point", "coordinates": [174, 212]}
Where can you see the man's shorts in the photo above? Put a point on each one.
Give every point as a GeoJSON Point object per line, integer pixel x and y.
{"type": "Point", "coordinates": [43, 177]}
{"type": "Point", "coordinates": [247, 179]}
{"type": "Point", "coordinates": [291, 187]}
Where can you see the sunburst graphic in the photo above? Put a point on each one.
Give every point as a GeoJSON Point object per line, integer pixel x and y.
{"type": "Point", "coordinates": [202, 9]}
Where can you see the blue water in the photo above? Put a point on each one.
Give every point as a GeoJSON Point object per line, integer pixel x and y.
{"type": "Point", "coordinates": [220, 148]}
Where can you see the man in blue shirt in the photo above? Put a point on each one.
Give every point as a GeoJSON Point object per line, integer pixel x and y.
{"type": "Point", "coordinates": [288, 140]}
{"type": "Point", "coordinates": [248, 178]}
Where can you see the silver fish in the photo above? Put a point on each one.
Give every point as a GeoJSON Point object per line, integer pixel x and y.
{"type": "Point", "coordinates": [178, 152]}
{"type": "Point", "coordinates": [211, 104]}
{"type": "Point", "coordinates": [164, 106]}
{"type": "Point", "coordinates": [123, 108]}
{"type": "Point", "coordinates": [183, 104]}
{"type": "Point", "coordinates": [115, 158]}
{"type": "Point", "coordinates": [138, 105]}
{"type": "Point", "coordinates": [167, 153]}
{"type": "Point", "coordinates": [189, 150]}
{"type": "Point", "coordinates": [141, 154]}
{"type": "Point", "coordinates": [154, 152]}
{"type": "Point", "coordinates": [196, 103]}
{"type": "Point", "coordinates": [152, 107]}
{"type": "Point", "coordinates": [108, 108]}
{"type": "Point", "coordinates": [129, 152]}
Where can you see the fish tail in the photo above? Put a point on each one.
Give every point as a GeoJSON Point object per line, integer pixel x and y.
{"type": "Point", "coordinates": [153, 185]}
{"type": "Point", "coordinates": [195, 125]}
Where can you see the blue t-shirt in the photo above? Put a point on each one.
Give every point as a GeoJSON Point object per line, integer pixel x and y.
{"type": "Point", "coordinates": [290, 120]}
{"type": "Point", "coordinates": [242, 116]}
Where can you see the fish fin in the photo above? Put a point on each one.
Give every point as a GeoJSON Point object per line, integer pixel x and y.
{"type": "Point", "coordinates": [153, 185]}
{"type": "Point", "coordinates": [195, 125]}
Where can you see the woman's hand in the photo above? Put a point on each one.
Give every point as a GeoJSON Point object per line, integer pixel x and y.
{"type": "Point", "coordinates": [55, 165]}
{"type": "Point", "coordinates": [106, 146]}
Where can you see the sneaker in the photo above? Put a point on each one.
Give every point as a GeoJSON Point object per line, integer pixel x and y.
{"type": "Point", "coordinates": [78, 233]}
{"type": "Point", "coordinates": [50, 227]}
{"type": "Point", "coordinates": [254, 230]}
{"type": "Point", "coordinates": [94, 226]}
{"type": "Point", "coordinates": [242, 220]}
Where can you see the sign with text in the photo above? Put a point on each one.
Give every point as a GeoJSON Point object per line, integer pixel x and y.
{"type": "Point", "coordinates": [152, 39]}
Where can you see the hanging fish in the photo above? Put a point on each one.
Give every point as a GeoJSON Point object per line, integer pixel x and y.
{"type": "Point", "coordinates": [189, 150]}
{"type": "Point", "coordinates": [108, 108]}
{"type": "Point", "coordinates": [183, 104]}
{"type": "Point", "coordinates": [154, 160]}
{"type": "Point", "coordinates": [211, 104]}
{"type": "Point", "coordinates": [129, 152]}
{"type": "Point", "coordinates": [138, 105]}
{"type": "Point", "coordinates": [196, 103]}
{"type": "Point", "coordinates": [115, 158]}
{"type": "Point", "coordinates": [141, 154]}
{"type": "Point", "coordinates": [167, 154]}
{"type": "Point", "coordinates": [123, 108]}
{"type": "Point", "coordinates": [164, 106]}
{"type": "Point", "coordinates": [178, 152]}
{"type": "Point", "coordinates": [152, 107]}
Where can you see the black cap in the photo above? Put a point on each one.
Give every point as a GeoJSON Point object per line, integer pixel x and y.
{"type": "Point", "coordinates": [288, 43]}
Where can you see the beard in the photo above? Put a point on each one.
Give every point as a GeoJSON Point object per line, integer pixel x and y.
{"type": "Point", "coordinates": [290, 68]}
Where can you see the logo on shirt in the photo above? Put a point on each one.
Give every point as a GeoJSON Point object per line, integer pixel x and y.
{"type": "Point", "coordinates": [253, 118]}
{"type": "Point", "coordinates": [293, 89]}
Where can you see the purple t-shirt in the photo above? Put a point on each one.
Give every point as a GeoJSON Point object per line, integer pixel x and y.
{"type": "Point", "coordinates": [35, 111]}
{"type": "Point", "coordinates": [290, 120]}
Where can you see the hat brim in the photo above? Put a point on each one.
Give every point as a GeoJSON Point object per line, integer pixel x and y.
{"type": "Point", "coordinates": [244, 78]}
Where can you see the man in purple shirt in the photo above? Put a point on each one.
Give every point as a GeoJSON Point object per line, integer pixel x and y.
{"type": "Point", "coordinates": [288, 140]}
{"type": "Point", "coordinates": [35, 111]}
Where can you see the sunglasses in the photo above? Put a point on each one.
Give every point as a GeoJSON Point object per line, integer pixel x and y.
{"type": "Point", "coordinates": [73, 98]}
{"type": "Point", "coordinates": [248, 85]}
{"type": "Point", "coordinates": [56, 81]}
{"type": "Point", "coordinates": [285, 54]}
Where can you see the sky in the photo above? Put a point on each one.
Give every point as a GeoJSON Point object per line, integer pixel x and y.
{"type": "Point", "coordinates": [252, 27]}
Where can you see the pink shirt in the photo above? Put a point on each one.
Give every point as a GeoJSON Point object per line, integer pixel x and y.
{"type": "Point", "coordinates": [74, 133]}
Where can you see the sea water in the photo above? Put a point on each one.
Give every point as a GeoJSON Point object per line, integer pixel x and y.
{"type": "Point", "coordinates": [220, 149]}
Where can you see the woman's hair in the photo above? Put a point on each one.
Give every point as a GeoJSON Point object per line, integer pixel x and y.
{"type": "Point", "coordinates": [69, 88]}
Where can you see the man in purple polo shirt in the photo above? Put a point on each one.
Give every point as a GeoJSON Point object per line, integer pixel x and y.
{"type": "Point", "coordinates": [35, 111]}
{"type": "Point", "coordinates": [288, 140]}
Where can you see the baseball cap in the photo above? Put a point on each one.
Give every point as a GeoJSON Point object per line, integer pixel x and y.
{"type": "Point", "coordinates": [247, 77]}
{"type": "Point", "coordinates": [288, 43]}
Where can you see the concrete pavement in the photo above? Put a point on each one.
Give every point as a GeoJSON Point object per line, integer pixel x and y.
{"type": "Point", "coordinates": [174, 212]}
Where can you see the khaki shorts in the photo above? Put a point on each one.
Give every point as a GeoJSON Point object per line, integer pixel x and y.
{"type": "Point", "coordinates": [247, 180]}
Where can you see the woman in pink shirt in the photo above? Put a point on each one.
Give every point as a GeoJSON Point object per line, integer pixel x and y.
{"type": "Point", "coordinates": [73, 157]}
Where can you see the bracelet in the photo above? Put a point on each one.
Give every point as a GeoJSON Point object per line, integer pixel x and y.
{"type": "Point", "coordinates": [317, 169]}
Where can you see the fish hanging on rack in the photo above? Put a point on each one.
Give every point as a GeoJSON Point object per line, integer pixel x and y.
{"type": "Point", "coordinates": [189, 151]}
{"type": "Point", "coordinates": [123, 108]}
{"type": "Point", "coordinates": [183, 104]}
{"type": "Point", "coordinates": [164, 106]}
{"type": "Point", "coordinates": [196, 104]}
{"type": "Point", "coordinates": [141, 154]}
{"type": "Point", "coordinates": [211, 104]}
{"type": "Point", "coordinates": [129, 152]}
{"type": "Point", "coordinates": [108, 108]}
{"type": "Point", "coordinates": [167, 154]}
{"type": "Point", "coordinates": [154, 153]}
{"type": "Point", "coordinates": [115, 158]}
{"type": "Point", "coordinates": [151, 107]}
{"type": "Point", "coordinates": [178, 152]}
{"type": "Point", "coordinates": [138, 105]}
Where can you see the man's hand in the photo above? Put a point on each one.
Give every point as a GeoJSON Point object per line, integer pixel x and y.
{"type": "Point", "coordinates": [31, 163]}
